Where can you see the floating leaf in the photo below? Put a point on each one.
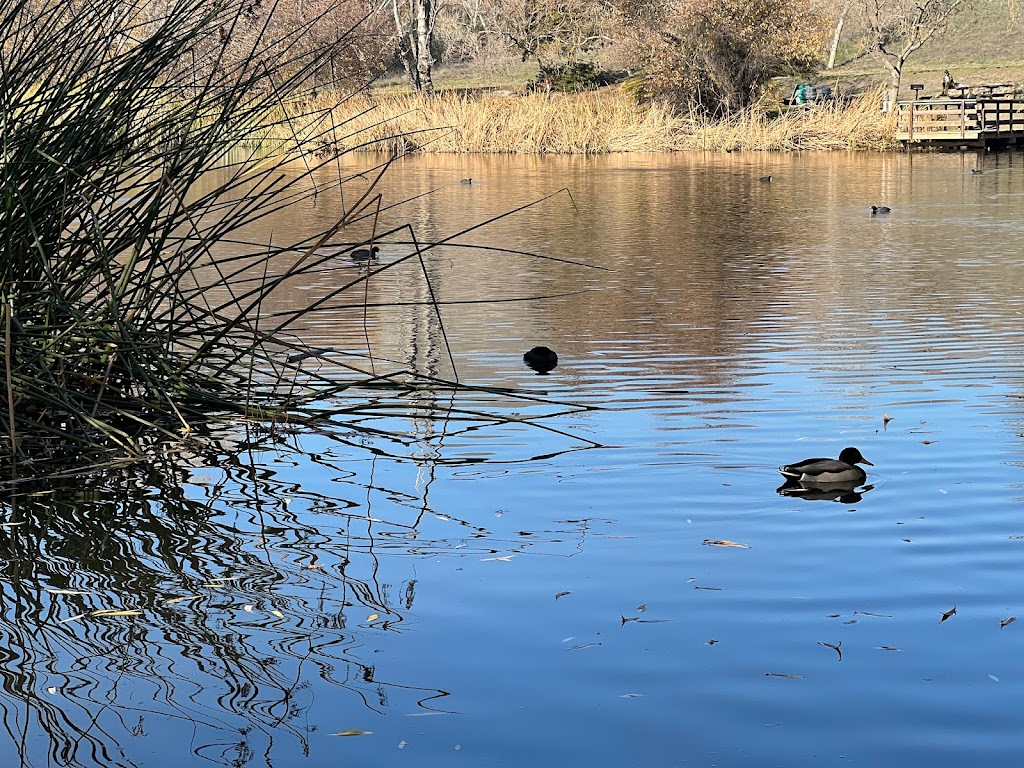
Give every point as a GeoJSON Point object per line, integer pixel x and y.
{"type": "Point", "coordinates": [653, 621]}
{"type": "Point", "coordinates": [581, 647]}
{"type": "Point", "coordinates": [503, 559]}
{"type": "Point", "coordinates": [1006, 621]}
{"type": "Point", "coordinates": [876, 615]}
{"type": "Point", "coordinates": [76, 617]}
{"type": "Point", "coordinates": [709, 589]}
{"type": "Point", "coordinates": [112, 612]}
{"type": "Point", "coordinates": [725, 543]}
{"type": "Point", "coordinates": [886, 648]}
{"type": "Point", "coordinates": [402, 743]}
{"type": "Point", "coordinates": [641, 608]}
{"type": "Point", "coordinates": [248, 608]}
{"type": "Point", "coordinates": [67, 592]}
{"type": "Point", "coordinates": [373, 617]}
{"type": "Point", "coordinates": [211, 585]}
{"type": "Point", "coordinates": [52, 689]}
{"type": "Point", "coordinates": [711, 642]}
{"type": "Point", "coordinates": [562, 594]}
{"type": "Point", "coordinates": [784, 677]}
{"type": "Point", "coordinates": [314, 567]}
{"type": "Point", "coordinates": [833, 647]}
{"type": "Point", "coordinates": [631, 696]}
{"type": "Point", "coordinates": [850, 621]}
{"type": "Point", "coordinates": [927, 442]}
{"type": "Point", "coordinates": [352, 733]}
{"type": "Point", "coordinates": [278, 614]}
{"type": "Point", "coordinates": [11, 525]}
{"type": "Point", "coordinates": [832, 616]}
{"type": "Point", "coordinates": [175, 600]}
{"type": "Point", "coordinates": [994, 678]}
{"type": "Point", "coordinates": [947, 614]}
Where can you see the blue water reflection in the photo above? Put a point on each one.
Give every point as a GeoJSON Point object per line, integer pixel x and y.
{"type": "Point", "coordinates": [527, 580]}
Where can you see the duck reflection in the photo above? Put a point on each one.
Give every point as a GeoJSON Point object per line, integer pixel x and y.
{"type": "Point", "coordinates": [844, 493]}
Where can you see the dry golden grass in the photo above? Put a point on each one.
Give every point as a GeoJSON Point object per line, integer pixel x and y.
{"type": "Point", "coordinates": [587, 123]}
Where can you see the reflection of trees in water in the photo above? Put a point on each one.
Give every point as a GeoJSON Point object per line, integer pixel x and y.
{"type": "Point", "coordinates": [253, 591]}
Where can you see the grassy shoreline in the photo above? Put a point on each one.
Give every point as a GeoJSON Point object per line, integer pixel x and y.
{"type": "Point", "coordinates": [596, 122]}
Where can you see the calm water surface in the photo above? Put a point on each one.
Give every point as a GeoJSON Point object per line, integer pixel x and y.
{"type": "Point", "coordinates": [480, 591]}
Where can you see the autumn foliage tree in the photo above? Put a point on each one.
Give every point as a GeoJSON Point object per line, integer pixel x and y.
{"type": "Point", "coordinates": [719, 55]}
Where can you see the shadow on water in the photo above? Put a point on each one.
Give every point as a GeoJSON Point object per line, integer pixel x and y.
{"type": "Point", "coordinates": [207, 594]}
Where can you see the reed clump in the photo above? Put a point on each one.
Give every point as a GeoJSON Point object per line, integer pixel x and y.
{"type": "Point", "coordinates": [595, 122]}
{"type": "Point", "coordinates": [117, 316]}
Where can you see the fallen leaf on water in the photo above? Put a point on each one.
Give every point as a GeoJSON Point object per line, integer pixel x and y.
{"type": "Point", "coordinates": [562, 594]}
{"type": "Point", "coordinates": [76, 617]}
{"type": "Point", "coordinates": [212, 585]}
{"type": "Point", "coordinates": [504, 559]}
{"type": "Point", "coordinates": [248, 608]}
{"type": "Point", "coordinates": [784, 677]}
{"type": "Point", "coordinates": [947, 614]}
{"type": "Point", "coordinates": [111, 612]}
{"type": "Point", "coordinates": [711, 642]}
{"type": "Point", "coordinates": [709, 589]}
{"type": "Point", "coordinates": [653, 621]}
{"type": "Point", "coordinates": [581, 647]}
{"type": "Point", "coordinates": [68, 592]}
{"type": "Point", "coordinates": [851, 621]}
{"type": "Point", "coordinates": [927, 442]}
{"type": "Point", "coordinates": [11, 525]}
{"type": "Point", "coordinates": [833, 647]}
{"type": "Point", "coordinates": [278, 614]}
{"type": "Point", "coordinates": [313, 567]}
{"type": "Point", "coordinates": [52, 689]}
{"type": "Point", "coordinates": [373, 617]}
{"type": "Point", "coordinates": [833, 616]}
{"type": "Point", "coordinates": [226, 578]}
{"type": "Point", "coordinates": [631, 696]}
{"type": "Point", "coordinates": [691, 580]}
{"type": "Point", "coordinates": [994, 678]}
{"type": "Point", "coordinates": [352, 733]}
{"type": "Point", "coordinates": [876, 615]}
{"type": "Point", "coordinates": [569, 639]}
{"type": "Point", "coordinates": [641, 608]}
{"type": "Point", "coordinates": [175, 600]}
{"type": "Point", "coordinates": [725, 543]}
{"type": "Point", "coordinates": [886, 648]}
{"type": "Point", "coordinates": [1007, 620]}
{"type": "Point", "coordinates": [402, 743]}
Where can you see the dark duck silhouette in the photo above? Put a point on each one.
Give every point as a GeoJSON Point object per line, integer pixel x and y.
{"type": "Point", "coordinates": [365, 254]}
{"type": "Point", "coordinates": [880, 209]}
{"type": "Point", "coordinates": [541, 359]}
{"type": "Point", "coordinates": [828, 472]}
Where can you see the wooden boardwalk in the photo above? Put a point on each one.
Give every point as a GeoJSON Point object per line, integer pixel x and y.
{"type": "Point", "coordinates": [975, 122]}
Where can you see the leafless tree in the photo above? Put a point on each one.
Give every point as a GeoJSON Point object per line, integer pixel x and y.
{"type": "Point", "coordinates": [898, 28]}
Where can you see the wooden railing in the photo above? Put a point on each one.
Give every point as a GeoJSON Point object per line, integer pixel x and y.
{"type": "Point", "coordinates": [975, 119]}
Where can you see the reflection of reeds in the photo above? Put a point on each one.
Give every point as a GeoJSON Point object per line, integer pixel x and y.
{"type": "Point", "coordinates": [595, 122]}
{"type": "Point", "coordinates": [254, 596]}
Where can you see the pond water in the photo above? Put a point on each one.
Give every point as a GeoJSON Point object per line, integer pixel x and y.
{"type": "Point", "coordinates": [527, 581]}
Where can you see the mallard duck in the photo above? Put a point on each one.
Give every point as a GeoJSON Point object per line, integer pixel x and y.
{"type": "Point", "coordinates": [880, 209]}
{"type": "Point", "coordinates": [365, 254]}
{"type": "Point", "coordinates": [541, 359]}
{"type": "Point", "coordinates": [829, 471]}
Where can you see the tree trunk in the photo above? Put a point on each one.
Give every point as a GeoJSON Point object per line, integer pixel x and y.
{"type": "Point", "coordinates": [424, 61]}
{"type": "Point", "coordinates": [835, 38]}
{"type": "Point", "coordinates": [406, 41]}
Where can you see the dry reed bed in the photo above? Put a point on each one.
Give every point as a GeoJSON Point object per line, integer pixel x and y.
{"type": "Point", "coordinates": [590, 123]}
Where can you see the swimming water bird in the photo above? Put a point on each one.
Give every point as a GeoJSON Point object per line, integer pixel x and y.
{"type": "Point", "coordinates": [541, 359]}
{"type": "Point", "coordinates": [976, 170]}
{"type": "Point", "coordinates": [843, 470]}
{"type": "Point", "coordinates": [365, 254]}
{"type": "Point", "coordinates": [466, 181]}
{"type": "Point", "coordinates": [880, 209]}
{"type": "Point", "coordinates": [765, 178]}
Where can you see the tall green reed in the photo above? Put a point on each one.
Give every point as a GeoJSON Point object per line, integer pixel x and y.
{"type": "Point", "coordinates": [116, 318]}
